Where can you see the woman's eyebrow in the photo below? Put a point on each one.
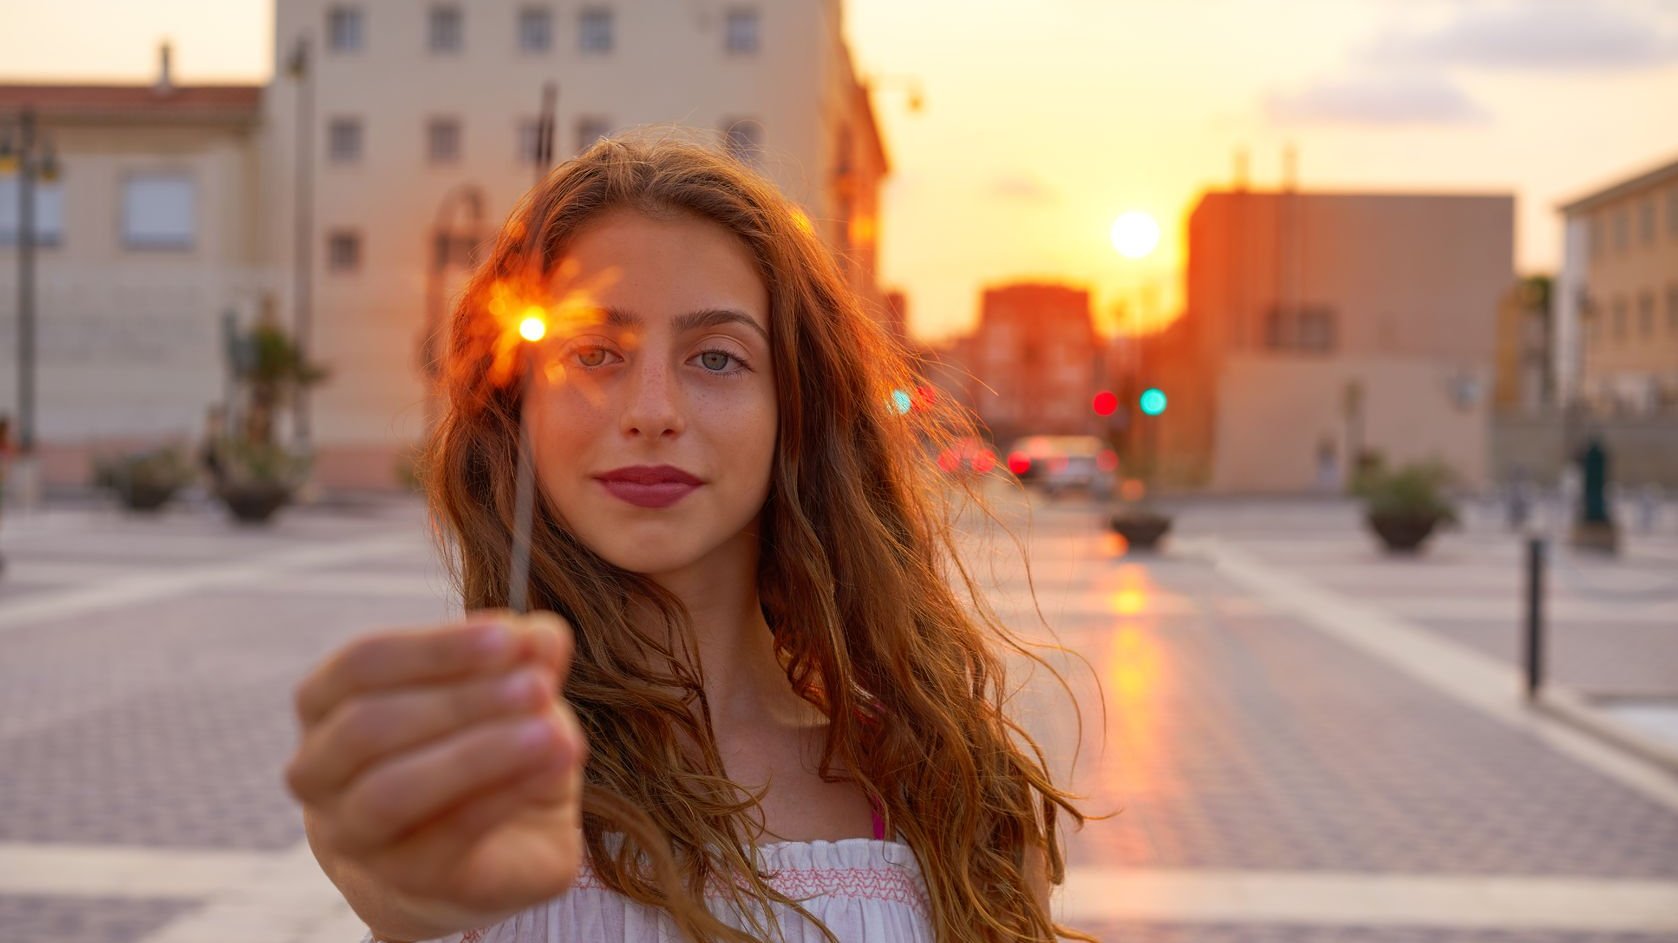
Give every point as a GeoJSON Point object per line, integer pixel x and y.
{"type": "Point", "coordinates": [705, 317]}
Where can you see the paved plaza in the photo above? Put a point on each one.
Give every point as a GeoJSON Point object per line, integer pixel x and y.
{"type": "Point", "coordinates": [1292, 738]}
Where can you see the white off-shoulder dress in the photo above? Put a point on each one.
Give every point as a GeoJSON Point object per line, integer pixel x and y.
{"type": "Point", "coordinates": [866, 890]}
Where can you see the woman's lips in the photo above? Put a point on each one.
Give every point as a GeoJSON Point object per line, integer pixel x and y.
{"type": "Point", "coordinates": [649, 486]}
{"type": "Point", "coordinates": [648, 495]}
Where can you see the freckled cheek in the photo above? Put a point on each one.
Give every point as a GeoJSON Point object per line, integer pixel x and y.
{"type": "Point", "coordinates": [566, 429]}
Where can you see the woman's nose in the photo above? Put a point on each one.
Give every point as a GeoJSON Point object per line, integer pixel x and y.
{"type": "Point", "coordinates": [653, 407]}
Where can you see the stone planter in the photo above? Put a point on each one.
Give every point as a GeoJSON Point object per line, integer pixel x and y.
{"type": "Point", "coordinates": [145, 497]}
{"type": "Point", "coordinates": [1402, 533]}
{"type": "Point", "coordinates": [255, 502]}
{"type": "Point", "coordinates": [1142, 530]}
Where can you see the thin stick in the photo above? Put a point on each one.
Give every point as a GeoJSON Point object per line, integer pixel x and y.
{"type": "Point", "coordinates": [524, 501]}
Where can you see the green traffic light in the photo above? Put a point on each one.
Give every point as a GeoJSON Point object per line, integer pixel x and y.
{"type": "Point", "coordinates": [1152, 401]}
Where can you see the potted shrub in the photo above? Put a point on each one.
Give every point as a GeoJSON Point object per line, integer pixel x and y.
{"type": "Point", "coordinates": [258, 478]}
{"type": "Point", "coordinates": [257, 475]}
{"type": "Point", "coordinates": [144, 481]}
{"type": "Point", "coordinates": [1404, 506]}
{"type": "Point", "coordinates": [1142, 525]}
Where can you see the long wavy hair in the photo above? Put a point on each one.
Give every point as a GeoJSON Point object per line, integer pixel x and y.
{"type": "Point", "coordinates": [874, 617]}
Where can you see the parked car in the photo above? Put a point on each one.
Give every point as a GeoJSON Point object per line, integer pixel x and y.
{"type": "Point", "coordinates": [1058, 463]}
{"type": "Point", "coordinates": [970, 456]}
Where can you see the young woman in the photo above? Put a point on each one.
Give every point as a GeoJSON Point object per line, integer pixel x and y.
{"type": "Point", "coordinates": [751, 705]}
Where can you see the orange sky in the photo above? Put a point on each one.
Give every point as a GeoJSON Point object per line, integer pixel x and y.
{"type": "Point", "coordinates": [1046, 119]}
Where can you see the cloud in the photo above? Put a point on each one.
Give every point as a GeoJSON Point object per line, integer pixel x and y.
{"type": "Point", "coordinates": [1539, 34]}
{"type": "Point", "coordinates": [1024, 187]}
{"type": "Point", "coordinates": [1378, 100]}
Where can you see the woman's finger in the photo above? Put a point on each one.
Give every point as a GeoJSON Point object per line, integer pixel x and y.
{"type": "Point", "coordinates": [401, 793]}
{"type": "Point", "coordinates": [374, 726]}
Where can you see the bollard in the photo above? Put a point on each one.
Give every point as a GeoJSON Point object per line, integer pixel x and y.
{"type": "Point", "coordinates": [1535, 616]}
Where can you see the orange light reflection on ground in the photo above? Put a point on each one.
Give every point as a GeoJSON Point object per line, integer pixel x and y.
{"type": "Point", "coordinates": [1137, 759]}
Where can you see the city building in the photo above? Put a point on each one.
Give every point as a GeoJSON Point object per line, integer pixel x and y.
{"type": "Point", "coordinates": [146, 244]}
{"type": "Point", "coordinates": [424, 121]}
{"type": "Point", "coordinates": [1325, 329]}
{"type": "Point", "coordinates": [348, 196]}
{"type": "Point", "coordinates": [1032, 363]}
{"type": "Point", "coordinates": [1523, 381]}
{"type": "Point", "coordinates": [1617, 351]}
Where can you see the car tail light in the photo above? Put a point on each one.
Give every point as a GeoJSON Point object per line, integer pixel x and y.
{"type": "Point", "coordinates": [948, 460]}
{"type": "Point", "coordinates": [984, 461]}
{"type": "Point", "coordinates": [1019, 463]}
{"type": "Point", "coordinates": [1107, 461]}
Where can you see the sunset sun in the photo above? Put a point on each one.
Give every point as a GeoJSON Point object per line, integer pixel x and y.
{"type": "Point", "coordinates": [1135, 234]}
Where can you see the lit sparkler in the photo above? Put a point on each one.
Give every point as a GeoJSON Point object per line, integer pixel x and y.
{"type": "Point", "coordinates": [532, 328]}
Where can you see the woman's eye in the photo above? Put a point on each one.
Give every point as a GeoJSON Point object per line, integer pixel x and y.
{"type": "Point", "coordinates": [716, 361]}
{"type": "Point", "coordinates": [591, 356]}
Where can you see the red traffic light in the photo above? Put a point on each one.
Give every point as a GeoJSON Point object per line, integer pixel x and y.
{"type": "Point", "coordinates": [1105, 402]}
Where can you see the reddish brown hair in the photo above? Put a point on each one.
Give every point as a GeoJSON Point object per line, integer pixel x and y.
{"type": "Point", "coordinates": [856, 576]}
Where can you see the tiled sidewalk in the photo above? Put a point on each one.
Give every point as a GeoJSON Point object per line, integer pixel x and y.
{"type": "Point", "coordinates": [1272, 780]}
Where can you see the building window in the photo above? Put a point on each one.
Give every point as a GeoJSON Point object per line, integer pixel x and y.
{"type": "Point", "coordinates": [159, 211]}
{"type": "Point", "coordinates": [343, 251]}
{"type": "Point", "coordinates": [345, 30]}
{"type": "Point", "coordinates": [1646, 315]}
{"type": "Point", "coordinates": [1620, 319]}
{"type": "Point", "coordinates": [594, 29]}
{"type": "Point", "coordinates": [591, 128]}
{"type": "Point", "coordinates": [49, 212]}
{"type": "Point", "coordinates": [1672, 212]}
{"type": "Point", "coordinates": [1305, 329]}
{"type": "Point", "coordinates": [536, 29]}
{"type": "Point", "coordinates": [1672, 309]}
{"type": "Point", "coordinates": [1647, 221]}
{"type": "Point", "coordinates": [528, 143]}
{"type": "Point", "coordinates": [1595, 236]}
{"type": "Point", "coordinates": [744, 140]}
{"type": "Point", "coordinates": [343, 140]}
{"type": "Point", "coordinates": [1622, 230]}
{"type": "Point", "coordinates": [447, 30]}
{"type": "Point", "coordinates": [442, 141]}
{"type": "Point", "coordinates": [741, 36]}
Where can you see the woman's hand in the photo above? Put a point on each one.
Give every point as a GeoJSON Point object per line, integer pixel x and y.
{"type": "Point", "coordinates": [440, 772]}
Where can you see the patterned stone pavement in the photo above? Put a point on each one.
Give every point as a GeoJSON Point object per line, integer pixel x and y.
{"type": "Point", "coordinates": [146, 668]}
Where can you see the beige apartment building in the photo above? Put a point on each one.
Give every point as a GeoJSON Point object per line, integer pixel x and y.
{"type": "Point", "coordinates": [1321, 327]}
{"type": "Point", "coordinates": [182, 207]}
{"type": "Point", "coordinates": [1618, 297]}
{"type": "Point", "coordinates": [146, 242]}
{"type": "Point", "coordinates": [423, 121]}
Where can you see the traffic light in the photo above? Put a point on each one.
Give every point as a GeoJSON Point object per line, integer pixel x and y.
{"type": "Point", "coordinates": [1152, 401]}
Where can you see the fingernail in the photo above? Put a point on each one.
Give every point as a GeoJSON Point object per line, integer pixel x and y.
{"type": "Point", "coordinates": [520, 689]}
{"type": "Point", "coordinates": [535, 734]}
{"type": "Point", "coordinates": [492, 640]}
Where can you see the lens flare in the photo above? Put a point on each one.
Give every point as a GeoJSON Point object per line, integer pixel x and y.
{"type": "Point", "coordinates": [534, 327]}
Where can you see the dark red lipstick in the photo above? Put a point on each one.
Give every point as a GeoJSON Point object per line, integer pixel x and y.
{"type": "Point", "coordinates": [649, 486]}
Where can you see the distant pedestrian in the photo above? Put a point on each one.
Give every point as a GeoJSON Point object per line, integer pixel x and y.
{"type": "Point", "coordinates": [5, 463]}
{"type": "Point", "coordinates": [1328, 466]}
{"type": "Point", "coordinates": [795, 728]}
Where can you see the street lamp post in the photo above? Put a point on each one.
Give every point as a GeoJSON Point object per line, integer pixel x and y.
{"type": "Point", "coordinates": [304, 247]}
{"type": "Point", "coordinates": [31, 158]}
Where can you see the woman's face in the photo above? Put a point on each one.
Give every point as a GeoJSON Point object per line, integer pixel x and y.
{"type": "Point", "coordinates": [653, 415]}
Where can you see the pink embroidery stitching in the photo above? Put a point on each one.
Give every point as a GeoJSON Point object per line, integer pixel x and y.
{"type": "Point", "coordinates": [472, 936]}
{"type": "Point", "coordinates": [885, 884]}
